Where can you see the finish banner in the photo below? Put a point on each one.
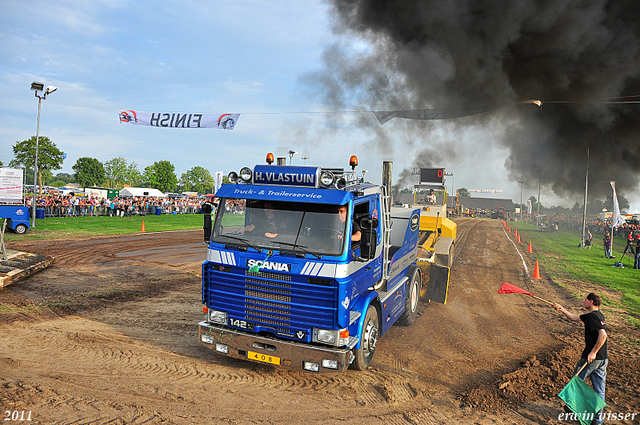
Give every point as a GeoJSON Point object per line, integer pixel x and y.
{"type": "Point", "coordinates": [179, 120]}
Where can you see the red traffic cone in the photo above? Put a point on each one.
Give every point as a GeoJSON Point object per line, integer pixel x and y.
{"type": "Point", "coordinates": [529, 250]}
{"type": "Point", "coordinates": [519, 238]}
{"type": "Point", "coordinates": [142, 228]}
{"type": "Point", "coordinates": [536, 272]}
{"type": "Point", "coordinates": [515, 233]}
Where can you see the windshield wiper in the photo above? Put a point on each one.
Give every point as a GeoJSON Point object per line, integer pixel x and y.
{"type": "Point", "coordinates": [302, 248]}
{"type": "Point", "coordinates": [243, 240]}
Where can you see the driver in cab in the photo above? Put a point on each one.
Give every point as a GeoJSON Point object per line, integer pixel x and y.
{"type": "Point", "coordinates": [265, 222]}
{"type": "Point", "coordinates": [356, 233]}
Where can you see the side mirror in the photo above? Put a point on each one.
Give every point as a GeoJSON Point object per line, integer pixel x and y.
{"type": "Point", "coordinates": [368, 223]}
{"type": "Point", "coordinates": [206, 210]}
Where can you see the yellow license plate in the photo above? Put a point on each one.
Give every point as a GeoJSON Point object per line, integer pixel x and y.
{"type": "Point", "coordinates": [265, 358]}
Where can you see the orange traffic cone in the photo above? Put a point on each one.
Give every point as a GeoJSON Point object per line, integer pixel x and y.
{"type": "Point", "coordinates": [519, 238]}
{"type": "Point", "coordinates": [515, 233]}
{"type": "Point", "coordinates": [536, 272]}
{"type": "Point", "coordinates": [142, 228]}
{"type": "Point", "coordinates": [529, 250]}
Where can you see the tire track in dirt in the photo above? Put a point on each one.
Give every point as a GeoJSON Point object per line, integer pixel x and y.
{"type": "Point", "coordinates": [90, 350]}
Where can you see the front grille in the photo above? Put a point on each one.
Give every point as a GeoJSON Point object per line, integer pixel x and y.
{"type": "Point", "coordinates": [278, 301]}
{"type": "Point", "coordinates": [268, 296]}
{"type": "Point", "coordinates": [267, 275]}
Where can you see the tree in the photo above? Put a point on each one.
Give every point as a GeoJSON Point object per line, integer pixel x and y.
{"type": "Point", "coordinates": [197, 179]}
{"type": "Point", "coordinates": [89, 172]}
{"type": "Point", "coordinates": [161, 175]}
{"type": "Point", "coordinates": [49, 156]}
{"type": "Point", "coordinates": [115, 171]}
{"type": "Point", "coordinates": [577, 208]}
{"type": "Point", "coordinates": [133, 176]}
{"type": "Point", "coordinates": [68, 178]}
{"type": "Point", "coordinates": [463, 192]}
{"type": "Point", "coordinates": [118, 173]}
{"type": "Point", "coordinates": [594, 207]}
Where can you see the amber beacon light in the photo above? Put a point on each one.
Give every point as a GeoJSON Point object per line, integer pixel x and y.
{"type": "Point", "coordinates": [269, 158]}
{"type": "Point", "coordinates": [353, 162]}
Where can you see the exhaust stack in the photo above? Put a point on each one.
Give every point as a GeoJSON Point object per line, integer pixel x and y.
{"type": "Point", "coordinates": [387, 173]}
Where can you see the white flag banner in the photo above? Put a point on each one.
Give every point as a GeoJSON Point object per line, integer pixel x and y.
{"type": "Point", "coordinates": [529, 206]}
{"type": "Point", "coordinates": [219, 177]}
{"type": "Point", "coordinates": [179, 120]}
{"type": "Point", "coordinates": [617, 219]}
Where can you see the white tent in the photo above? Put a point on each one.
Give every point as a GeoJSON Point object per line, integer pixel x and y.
{"type": "Point", "coordinates": [140, 191]}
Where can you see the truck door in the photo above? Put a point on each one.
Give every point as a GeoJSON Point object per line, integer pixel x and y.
{"type": "Point", "coordinates": [370, 271]}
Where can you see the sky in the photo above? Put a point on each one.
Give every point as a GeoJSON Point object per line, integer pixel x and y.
{"type": "Point", "coordinates": [256, 58]}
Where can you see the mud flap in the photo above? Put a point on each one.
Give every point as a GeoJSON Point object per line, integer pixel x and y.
{"type": "Point", "coordinates": [438, 287]}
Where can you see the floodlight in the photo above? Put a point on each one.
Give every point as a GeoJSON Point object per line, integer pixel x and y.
{"type": "Point", "coordinates": [36, 86]}
{"type": "Point", "coordinates": [50, 89]}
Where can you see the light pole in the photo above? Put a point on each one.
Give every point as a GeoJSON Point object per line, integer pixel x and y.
{"type": "Point", "coordinates": [305, 159]}
{"type": "Point", "coordinates": [291, 153]}
{"type": "Point", "coordinates": [36, 87]}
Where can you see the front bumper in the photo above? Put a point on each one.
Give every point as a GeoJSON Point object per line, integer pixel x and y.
{"type": "Point", "coordinates": [259, 349]}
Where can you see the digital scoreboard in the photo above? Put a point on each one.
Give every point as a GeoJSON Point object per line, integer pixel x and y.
{"type": "Point", "coordinates": [432, 175]}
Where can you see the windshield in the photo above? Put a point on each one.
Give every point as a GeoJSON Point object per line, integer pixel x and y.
{"type": "Point", "coordinates": [304, 228]}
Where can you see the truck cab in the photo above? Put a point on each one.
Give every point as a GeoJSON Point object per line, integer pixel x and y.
{"type": "Point", "coordinates": [306, 268]}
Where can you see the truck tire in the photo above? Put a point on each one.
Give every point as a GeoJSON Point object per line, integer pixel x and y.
{"type": "Point", "coordinates": [368, 340]}
{"type": "Point", "coordinates": [413, 297]}
{"type": "Point", "coordinates": [20, 229]}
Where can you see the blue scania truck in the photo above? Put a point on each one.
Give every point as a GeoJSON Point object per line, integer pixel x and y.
{"type": "Point", "coordinates": [318, 270]}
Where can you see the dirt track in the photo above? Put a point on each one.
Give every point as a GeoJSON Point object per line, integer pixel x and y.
{"type": "Point", "coordinates": [108, 335]}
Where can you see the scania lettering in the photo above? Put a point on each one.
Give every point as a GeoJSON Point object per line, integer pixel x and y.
{"type": "Point", "coordinates": [307, 267]}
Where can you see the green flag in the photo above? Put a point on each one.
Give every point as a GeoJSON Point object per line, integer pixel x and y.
{"type": "Point", "coordinates": [582, 400]}
{"type": "Point", "coordinates": [256, 267]}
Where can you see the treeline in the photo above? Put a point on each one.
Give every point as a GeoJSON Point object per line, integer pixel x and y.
{"type": "Point", "coordinates": [115, 173]}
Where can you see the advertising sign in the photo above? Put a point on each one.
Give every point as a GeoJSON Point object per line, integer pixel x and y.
{"type": "Point", "coordinates": [11, 186]}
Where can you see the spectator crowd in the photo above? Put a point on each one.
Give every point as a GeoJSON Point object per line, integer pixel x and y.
{"type": "Point", "coordinates": [82, 206]}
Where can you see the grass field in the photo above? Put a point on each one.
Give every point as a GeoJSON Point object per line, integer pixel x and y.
{"type": "Point", "coordinates": [561, 258]}
{"type": "Point", "coordinates": [78, 227]}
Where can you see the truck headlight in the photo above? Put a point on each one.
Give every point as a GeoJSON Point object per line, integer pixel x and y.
{"type": "Point", "coordinates": [326, 336]}
{"type": "Point", "coordinates": [311, 366]}
{"type": "Point", "coordinates": [337, 338]}
{"type": "Point", "coordinates": [329, 364]}
{"type": "Point", "coordinates": [219, 317]}
{"type": "Point", "coordinates": [245, 174]}
{"type": "Point", "coordinates": [207, 339]}
{"type": "Point", "coordinates": [327, 178]}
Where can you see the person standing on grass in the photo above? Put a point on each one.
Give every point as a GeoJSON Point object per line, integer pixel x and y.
{"type": "Point", "coordinates": [636, 263]}
{"type": "Point", "coordinates": [588, 238]}
{"type": "Point", "coordinates": [595, 350]}
{"type": "Point", "coordinates": [629, 246]}
{"type": "Point", "coordinates": [606, 240]}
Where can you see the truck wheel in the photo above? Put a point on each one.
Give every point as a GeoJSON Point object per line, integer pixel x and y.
{"type": "Point", "coordinates": [20, 229]}
{"type": "Point", "coordinates": [411, 301]}
{"type": "Point", "coordinates": [368, 340]}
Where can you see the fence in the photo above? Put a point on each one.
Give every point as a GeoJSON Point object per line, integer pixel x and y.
{"type": "Point", "coordinates": [103, 211]}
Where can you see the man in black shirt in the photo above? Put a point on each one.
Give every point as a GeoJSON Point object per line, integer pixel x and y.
{"type": "Point", "coordinates": [265, 221]}
{"type": "Point", "coordinates": [595, 350]}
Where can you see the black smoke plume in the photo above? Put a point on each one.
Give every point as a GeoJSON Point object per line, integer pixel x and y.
{"type": "Point", "coordinates": [424, 54]}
